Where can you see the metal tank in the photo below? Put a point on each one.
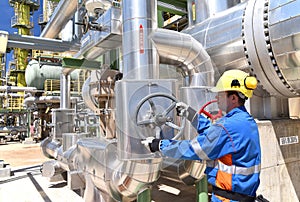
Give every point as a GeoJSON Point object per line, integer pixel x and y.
{"type": "Point", "coordinates": [37, 73]}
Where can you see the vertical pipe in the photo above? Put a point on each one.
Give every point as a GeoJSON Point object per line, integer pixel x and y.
{"type": "Point", "coordinates": [65, 91]}
{"type": "Point", "coordinates": [28, 123]}
{"type": "Point", "coordinates": [140, 57]}
{"type": "Point", "coordinates": [77, 28]}
{"type": "Point", "coordinates": [202, 190]}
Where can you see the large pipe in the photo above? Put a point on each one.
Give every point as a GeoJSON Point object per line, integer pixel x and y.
{"type": "Point", "coordinates": [60, 17]}
{"type": "Point", "coordinates": [140, 58]}
{"type": "Point", "coordinates": [17, 89]}
{"type": "Point", "coordinates": [200, 10]}
{"type": "Point", "coordinates": [65, 83]}
{"type": "Point", "coordinates": [176, 46]}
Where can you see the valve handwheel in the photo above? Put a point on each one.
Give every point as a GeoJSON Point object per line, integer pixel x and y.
{"type": "Point", "coordinates": [209, 115]}
{"type": "Point", "coordinates": [160, 119]}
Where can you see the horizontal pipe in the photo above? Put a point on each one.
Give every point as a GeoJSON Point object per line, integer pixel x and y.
{"type": "Point", "coordinates": [17, 89]}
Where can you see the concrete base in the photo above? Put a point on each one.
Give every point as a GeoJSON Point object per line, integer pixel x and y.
{"type": "Point", "coordinates": [280, 160]}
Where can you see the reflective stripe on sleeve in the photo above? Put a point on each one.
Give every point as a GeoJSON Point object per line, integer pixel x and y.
{"type": "Point", "coordinates": [236, 169]}
{"type": "Point", "coordinates": [198, 150]}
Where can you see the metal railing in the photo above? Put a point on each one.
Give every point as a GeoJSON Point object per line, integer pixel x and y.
{"type": "Point", "coordinates": [35, 3]}
{"type": "Point", "coordinates": [52, 87]}
{"type": "Point", "coordinates": [14, 103]}
{"type": "Point", "coordinates": [19, 21]}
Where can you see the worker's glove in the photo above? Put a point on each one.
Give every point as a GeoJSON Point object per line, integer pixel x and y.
{"type": "Point", "coordinates": [185, 110]}
{"type": "Point", "coordinates": [151, 143]}
{"type": "Point", "coordinates": [181, 109]}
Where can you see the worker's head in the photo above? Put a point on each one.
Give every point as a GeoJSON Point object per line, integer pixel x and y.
{"type": "Point", "coordinates": [234, 87]}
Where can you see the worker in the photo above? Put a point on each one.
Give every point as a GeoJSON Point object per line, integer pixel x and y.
{"type": "Point", "coordinates": [229, 145]}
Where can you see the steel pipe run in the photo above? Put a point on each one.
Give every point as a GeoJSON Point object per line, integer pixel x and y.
{"type": "Point", "coordinates": [17, 89]}
{"type": "Point", "coordinates": [208, 8]}
{"type": "Point", "coordinates": [60, 17]}
{"type": "Point", "coordinates": [257, 37]}
{"type": "Point", "coordinates": [176, 46]}
{"type": "Point", "coordinates": [140, 58]}
{"type": "Point", "coordinates": [260, 38]}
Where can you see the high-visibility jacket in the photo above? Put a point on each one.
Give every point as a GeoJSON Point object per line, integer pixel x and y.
{"type": "Point", "coordinates": [230, 147]}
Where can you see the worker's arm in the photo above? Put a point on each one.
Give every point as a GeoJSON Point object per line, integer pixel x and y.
{"type": "Point", "coordinates": [206, 146]}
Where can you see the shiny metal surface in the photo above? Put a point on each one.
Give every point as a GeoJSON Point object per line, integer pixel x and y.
{"type": "Point", "coordinates": [140, 57]}
{"type": "Point", "coordinates": [39, 43]}
{"type": "Point", "coordinates": [183, 171]}
{"type": "Point", "coordinates": [129, 94]}
{"type": "Point", "coordinates": [284, 32]}
{"type": "Point", "coordinates": [200, 10]}
{"type": "Point", "coordinates": [51, 148]}
{"type": "Point", "coordinates": [120, 179]}
{"type": "Point", "coordinates": [96, 42]}
{"type": "Point", "coordinates": [221, 37]}
{"type": "Point", "coordinates": [88, 99]}
{"type": "Point", "coordinates": [255, 36]}
{"type": "Point", "coordinates": [182, 47]}
{"type": "Point", "coordinates": [65, 94]}
{"type": "Point", "coordinates": [36, 74]}
{"type": "Point", "coordinates": [70, 139]}
{"type": "Point", "coordinates": [61, 15]}
{"type": "Point", "coordinates": [134, 174]}
{"type": "Point", "coordinates": [63, 122]}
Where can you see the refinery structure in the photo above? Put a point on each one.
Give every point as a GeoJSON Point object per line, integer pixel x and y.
{"type": "Point", "coordinates": [105, 74]}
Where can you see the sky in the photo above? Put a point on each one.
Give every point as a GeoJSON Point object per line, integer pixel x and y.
{"type": "Point", "coordinates": [7, 12]}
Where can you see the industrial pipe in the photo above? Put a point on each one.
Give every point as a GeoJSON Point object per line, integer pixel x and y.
{"type": "Point", "coordinates": [17, 89]}
{"type": "Point", "coordinates": [139, 54]}
{"type": "Point", "coordinates": [60, 17]}
{"type": "Point", "coordinates": [177, 46]}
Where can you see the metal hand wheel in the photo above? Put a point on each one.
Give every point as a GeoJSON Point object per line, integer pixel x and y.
{"type": "Point", "coordinates": [158, 120]}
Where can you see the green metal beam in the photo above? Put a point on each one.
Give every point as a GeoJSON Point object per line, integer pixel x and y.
{"type": "Point", "coordinates": [80, 64]}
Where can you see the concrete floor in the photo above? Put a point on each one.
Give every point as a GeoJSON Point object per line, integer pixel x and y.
{"type": "Point", "coordinates": [26, 183]}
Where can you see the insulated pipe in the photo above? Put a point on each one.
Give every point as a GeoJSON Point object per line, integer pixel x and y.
{"type": "Point", "coordinates": [65, 91]}
{"type": "Point", "coordinates": [200, 10]}
{"type": "Point", "coordinates": [140, 58]}
{"type": "Point", "coordinates": [60, 17]}
{"type": "Point", "coordinates": [17, 89]}
{"type": "Point", "coordinates": [2, 95]}
{"type": "Point", "coordinates": [184, 48]}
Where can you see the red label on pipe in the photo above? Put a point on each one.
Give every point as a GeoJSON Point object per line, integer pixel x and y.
{"type": "Point", "coordinates": [141, 39]}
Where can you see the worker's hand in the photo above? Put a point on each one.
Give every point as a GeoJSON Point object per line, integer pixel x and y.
{"type": "Point", "coordinates": [182, 109]}
{"type": "Point", "coordinates": [151, 143]}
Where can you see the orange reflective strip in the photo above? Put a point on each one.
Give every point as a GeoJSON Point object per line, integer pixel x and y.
{"type": "Point", "coordinates": [224, 180]}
